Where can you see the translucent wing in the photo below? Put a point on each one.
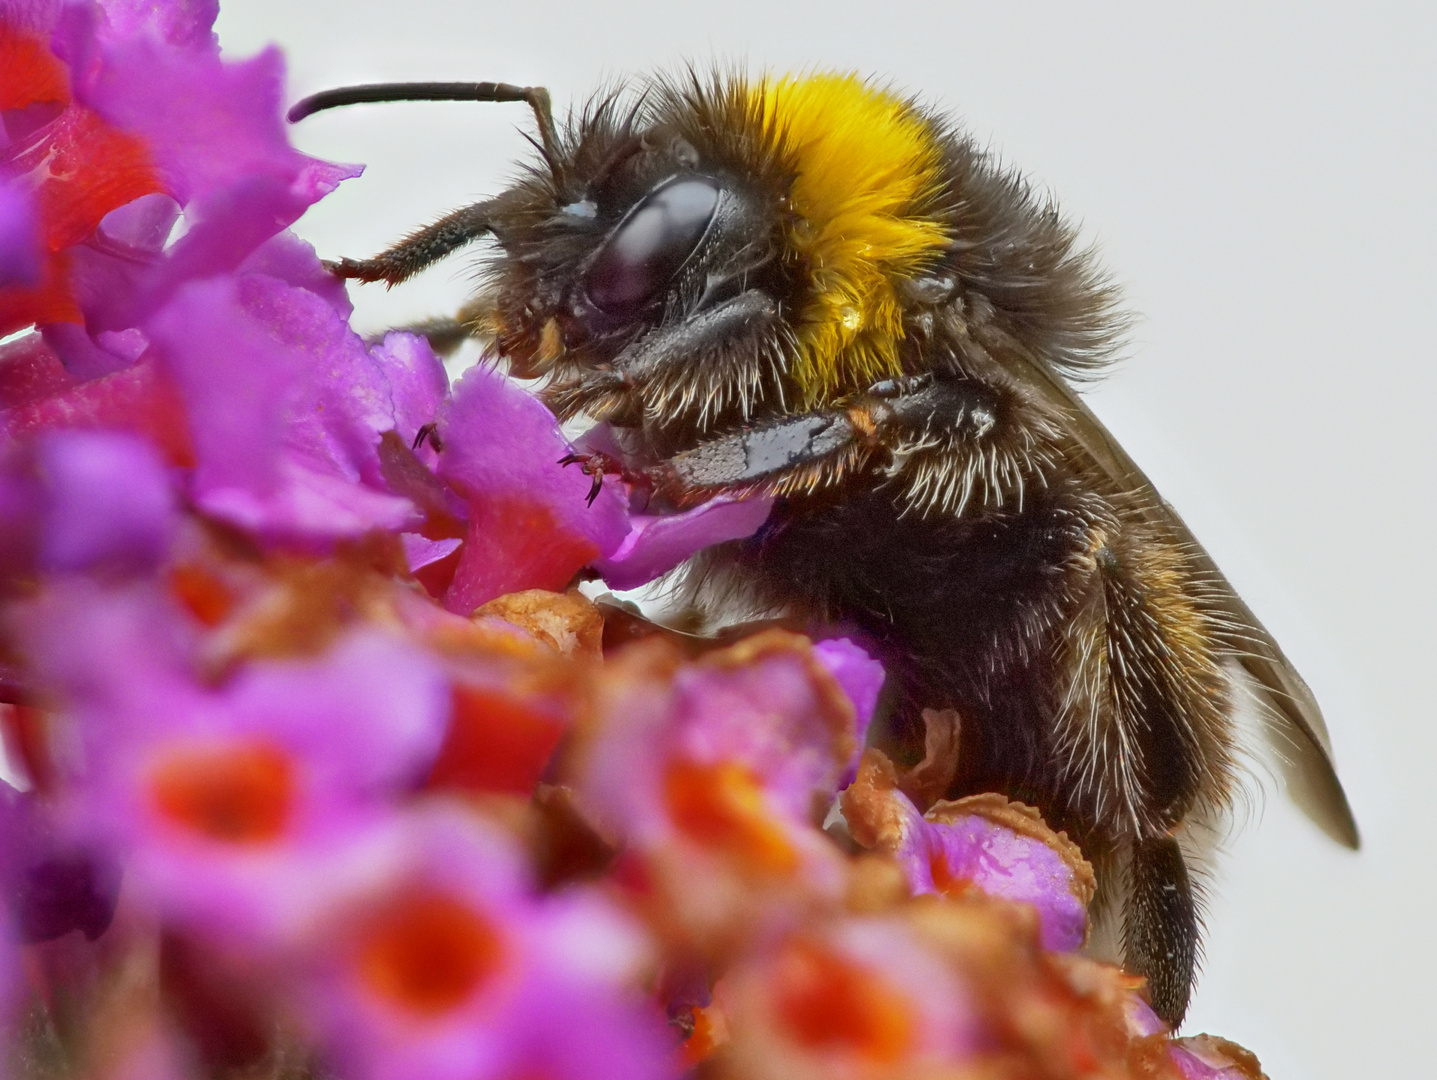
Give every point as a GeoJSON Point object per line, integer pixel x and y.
{"type": "Point", "coordinates": [1293, 723]}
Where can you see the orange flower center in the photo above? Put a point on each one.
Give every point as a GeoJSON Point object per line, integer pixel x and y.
{"type": "Point", "coordinates": [428, 953]}
{"type": "Point", "coordinates": [830, 1003]}
{"type": "Point", "coordinates": [722, 806]}
{"type": "Point", "coordinates": [944, 879]}
{"type": "Point", "coordinates": [240, 794]}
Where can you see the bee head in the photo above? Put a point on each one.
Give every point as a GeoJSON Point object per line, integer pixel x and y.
{"type": "Point", "coordinates": [763, 228]}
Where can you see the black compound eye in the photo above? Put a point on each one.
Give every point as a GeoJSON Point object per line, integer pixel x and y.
{"type": "Point", "coordinates": [651, 244]}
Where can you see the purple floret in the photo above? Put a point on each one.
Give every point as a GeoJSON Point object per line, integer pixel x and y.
{"type": "Point", "coordinates": [971, 851]}
{"type": "Point", "coordinates": [984, 843]}
{"type": "Point", "coordinates": [449, 967]}
{"type": "Point", "coordinates": [531, 522]}
{"type": "Point", "coordinates": [861, 677]}
{"type": "Point", "coordinates": [110, 501]}
{"type": "Point", "coordinates": [237, 809]}
{"type": "Point", "coordinates": [285, 410]}
{"type": "Point", "coordinates": [217, 136]}
{"type": "Point", "coordinates": [764, 727]}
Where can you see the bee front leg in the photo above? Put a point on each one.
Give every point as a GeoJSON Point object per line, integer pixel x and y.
{"type": "Point", "coordinates": [427, 246]}
{"type": "Point", "coordinates": [805, 451]}
{"type": "Point", "coordinates": [891, 429]}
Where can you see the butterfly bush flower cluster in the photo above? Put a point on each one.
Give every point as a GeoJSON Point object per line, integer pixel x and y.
{"type": "Point", "coordinates": [316, 769]}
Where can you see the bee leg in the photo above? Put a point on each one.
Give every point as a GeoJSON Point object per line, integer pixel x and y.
{"type": "Point", "coordinates": [810, 451]}
{"type": "Point", "coordinates": [1143, 732]}
{"type": "Point", "coordinates": [1160, 925]}
{"type": "Point", "coordinates": [427, 246]}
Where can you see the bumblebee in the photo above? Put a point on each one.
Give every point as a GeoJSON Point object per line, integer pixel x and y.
{"type": "Point", "coordinates": [815, 289]}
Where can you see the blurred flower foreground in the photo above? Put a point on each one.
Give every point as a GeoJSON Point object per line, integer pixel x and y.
{"type": "Point", "coordinates": [317, 771]}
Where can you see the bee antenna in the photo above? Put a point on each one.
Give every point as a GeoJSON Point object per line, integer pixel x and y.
{"type": "Point", "coordinates": [536, 96]}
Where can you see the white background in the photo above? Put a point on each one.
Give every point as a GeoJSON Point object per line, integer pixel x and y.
{"type": "Point", "coordinates": [1262, 184]}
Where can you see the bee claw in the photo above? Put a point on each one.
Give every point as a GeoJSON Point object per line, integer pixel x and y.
{"type": "Point", "coordinates": [594, 465]}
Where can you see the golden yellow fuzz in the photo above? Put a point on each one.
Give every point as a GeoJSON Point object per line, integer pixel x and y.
{"type": "Point", "coordinates": [863, 161]}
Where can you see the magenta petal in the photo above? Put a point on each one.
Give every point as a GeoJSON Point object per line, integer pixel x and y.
{"type": "Point", "coordinates": [531, 525]}
{"type": "Point", "coordinates": [83, 356]}
{"type": "Point", "coordinates": [218, 140]}
{"type": "Point", "coordinates": [657, 544]}
{"type": "Point", "coordinates": [109, 270]}
{"type": "Point", "coordinates": [1200, 1059]}
{"type": "Point", "coordinates": [607, 1033]}
{"type": "Point", "coordinates": [382, 697]}
{"type": "Point", "coordinates": [210, 125]}
{"type": "Point", "coordinates": [140, 227]}
{"type": "Point", "coordinates": [33, 16]}
{"type": "Point", "coordinates": [106, 284]}
{"type": "Point", "coordinates": [19, 237]}
{"type": "Point", "coordinates": [84, 500]}
{"type": "Point", "coordinates": [237, 221]}
{"type": "Point", "coordinates": [861, 677]}
{"type": "Point", "coordinates": [420, 551]}
{"type": "Point", "coordinates": [501, 442]}
{"type": "Point", "coordinates": [52, 885]}
{"type": "Point", "coordinates": [294, 262]}
{"type": "Point", "coordinates": [285, 410]}
{"type": "Point", "coordinates": [1142, 1021]}
{"type": "Point", "coordinates": [182, 23]}
{"type": "Point", "coordinates": [417, 382]}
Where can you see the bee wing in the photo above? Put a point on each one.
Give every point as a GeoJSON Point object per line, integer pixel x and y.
{"type": "Point", "coordinates": [1292, 722]}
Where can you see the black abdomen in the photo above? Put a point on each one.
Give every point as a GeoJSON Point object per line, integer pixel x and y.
{"type": "Point", "coordinates": [964, 613]}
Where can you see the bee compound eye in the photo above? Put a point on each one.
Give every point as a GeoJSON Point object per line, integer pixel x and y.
{"type": "Point", "coordinates": [651, 244]}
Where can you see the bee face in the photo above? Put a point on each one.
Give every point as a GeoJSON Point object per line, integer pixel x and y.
{"type": "Point", "coordinates": [811, 289]}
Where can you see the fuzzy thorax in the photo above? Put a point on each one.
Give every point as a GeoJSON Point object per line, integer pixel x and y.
{"type": "Point", "coordinates": [865, 165]}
